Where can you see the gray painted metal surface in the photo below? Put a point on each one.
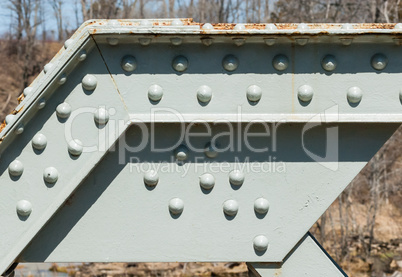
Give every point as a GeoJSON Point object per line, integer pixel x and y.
{"type": "Point", "coordinates": [173, 141]}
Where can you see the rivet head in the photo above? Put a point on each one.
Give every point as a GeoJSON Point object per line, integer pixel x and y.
{"type": "Point", "coordinates": [47, 67]}
{"type": "Point", "coordinates": [50, 175]}
{"type": "Point", "coordinates": [39, 141]}
{"type": "Point", "coordinates": [68, 43]}
{"type": "Point", "coordinates": [398, 26]}
{"type": "Point", "coordinates": [89, 82]}
{"type": "Point", "coordinates": [236, 177]}
{"type": "Point", "coordinates": [207, 181]}
{"type": "Point", "coordinates": [181, 153]}
{"type": "Point", "coordinates": [270, 41]}
{"type": "Point", "coordinates": [41, 104]}
{"type": "Point", "coordinates": [176, 206]}
{"type": "Point", "coordinates": [280, 62]}
{"type": "Point", "coordinates": [128, 63]}
{"type": "Point", "coordinates": [63, 110]}
{"type": "Point", "coordinates": [260, 243]}
{"type": "Point", "coordinates": [101, 116]}
{"type": "Point", "coordinates": [207, 26]}
{"type": "Point", "coordinates": [261, 205]}
{"type": "Point", "coordinates": [155, 93]}
{"type": "Point", "coordinates": [302, 41]}
{"type": "Point", "coordinates": [24, 208]}
{"type": "Point", "coordinates": [400, 94]}
{"type": "Point", "coordinates": [151, 178]}
{"type": "Point", "coordinates": [177, 22]}
{"type": "Point", "coordinates": [112, 41]}
{"type": "Point", "coordinates": [329, 63]}
{"type": "Point", "coordinates": [230, 207]}
{"type": "Point", "coordinates": [239, 41]}
{"type": "Point", "coordinates": [144, 41]}
{"type": "Point", "coordinates": [230, 63]}
{"type": "Point", "coordinates": [62, 79]}
{"type": "Point", "coordinates": [16, 168]}
{"type": "Point", "coordinates": [204, 94]}
{"type": "Point", "coordinates": [19, 129]}
{"type": "Point", "coordinates": [82, 55]}
{"type": "Point", "coordinates": [180, 63]}
{"type": "Point", "coordinates": [379, 61]}
{"type": "Point", "coordinates": [347, 26]}
{"type": "Point", "coordinates": [27, 91]}
{"type": "Point", "coordinates": [75, 147]}
{"type": "Point", "coordinates": [210, 151]}
{"type": "Point", "coordinates": [305, 93]}
{"type": "Point", "coordinates": [354, 95]}
{"type": "Point", "coordinates": [207, 41]}
{"type": "Point", "coordinates": [303, 27]}
{"type": "Point", "coordinates": [239, 27]}
{"type": "Point", "coordinates": [176, 41]}
{"type": "Point", "coordinates": [146, 23]}
{"type": "Point", "coordinates": [254, 93]}
{"type": "Point", "coordinates": [271, 27]}
{"type": "Point", "coordinates": [10, 118]}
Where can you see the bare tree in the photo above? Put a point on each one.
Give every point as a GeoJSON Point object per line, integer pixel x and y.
{"type": "Point", "coordinates": [57, 6]}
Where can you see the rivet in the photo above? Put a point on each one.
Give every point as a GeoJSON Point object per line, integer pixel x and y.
{"type": "Point", "coordinates": [239, 27]}
{"type": "Point", "coordinates": [41, 104]}
{"type": "Point", "coordinates": [101, 116]}
{"type": "Point", "coordinates": [27, 91]}
{"type": "Point", "coordinates": [177, 22]}
{"type": "Point", "coordinates": [207, 181]}
{"type": "Point", "coordinates": [236, 177]}
{"type": "Point", "coordinates": [260, 243]}
{"type": "Point", "coordinates": [254, 93]}
{"type": "Point", "coordinates": [146, 23]}
{"type": "Point", "coordinates": [398, 26]}
{"type": "Point", "coordinates": [239, 41]}
{"type": "Point", "coordinates": [354, 95]}
{"type": "Point", "coordinates": [303, 27]}
{"type": "Point", "coordinates": [63, 110]}
{"type": "Point", "coordinates": [113, 23]}
{"type": "Point", "coordinates": [50, 175]}
{"type": "Point", "coordinates": [24, 208]}
{"type": "Point", "coordinates": [75, 147]}
{"type": "Point", "coordinates": [68, 42]}
{"type": "Point", "coordinates": [47, 67]}
{"type": "Point", "coordinates": [210, 151]}
{"type": "Point", "coordinates": [10, 118]}
{"type": "Point", "coordinates": [207, 41]}
{"type": "Point", "coordinates": [270, 41]}
{"type": "Point", "coordinates": [329, 63]}
{"type": "Point", "coordinates": [230, 207]}
{"type": "Point", "coordinates": [180, 63]}
{"type": "Point", "coordinates": [346, 41]}
{"type": "Point", "coordinates": [181, 153]}
{"type": "Point", "coordinates": [280, 62]}
{"type": "Point", "coordinates": [261, 205]}
{"type": "Point", "coordinates": [144, 41]}
{"type": "Point", "coordinates": [400, 94]}
{"type": "Point", "coordinates": [19, 129]}
{"type": "Point", "coordinates": [176, 206]}
{"type": "Point", "coordinates": [204, 94]}
{"type": "Point", "coordinates": [89, 82]}
{"type": "Point", "coordinates": [176, 41]}
{"type": "Point", "coordinates": [230, 63]}
{"type": "Point", "coordinates": [16, 168]}
{"type": "Point", "coordinates": [82, 55]}
{"type": "Point", "coordinates": [271, 27]}
{"type": "Point", "coordinates": [207, 26]}
{"type": "Point", "coordinates": [379, 61]}
{"type": "Point", "coordinates": [128, 63]}
{"type": "Point", "coordinates": [301, 41]}
{"type": "Point", "coordinates": [62, 79]}
{"type": "Point", "coordinates": [347, 26]}
{"type": "Point", "coordinates": [155, 93]}
{"type": "Point", "coordinates": [39, 141]}
{"type": "Point", "coordinates": [305, 93]}
{"type": "Point", "coordinates": [112, 41]}
{"type": "Point", "coordinates": [151, 178]}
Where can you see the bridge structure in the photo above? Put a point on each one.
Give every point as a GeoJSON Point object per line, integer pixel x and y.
{"type": "Point", "coordinates": [170, 140]}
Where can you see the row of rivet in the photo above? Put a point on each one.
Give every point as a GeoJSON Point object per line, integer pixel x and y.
{"type": "Point", "coordinates": [207, 180]}
{"type": "Point", "coordinates": [280, 62]}
{"type": "Point", "coordinates": [230, 207]}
